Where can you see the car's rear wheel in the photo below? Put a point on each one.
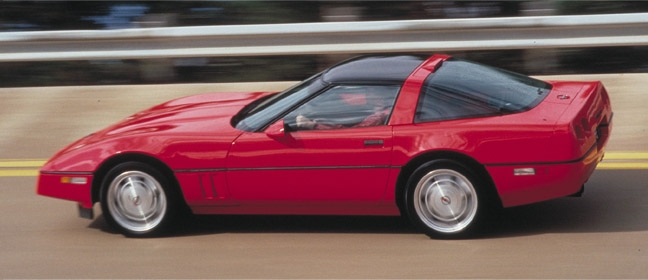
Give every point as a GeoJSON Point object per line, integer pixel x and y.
{"type": "Point", "coordinates": [444, 199]}
{"type": "Point", "coordinates": [138, 200]}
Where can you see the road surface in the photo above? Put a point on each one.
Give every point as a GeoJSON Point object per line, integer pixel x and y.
{"type": "Point", "coordinates": [603, 234]}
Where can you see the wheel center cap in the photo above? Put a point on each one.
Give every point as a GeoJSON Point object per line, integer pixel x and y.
{"type": "Point", "coordinates": [446, 200]}
{"type": "Point", "coordinates": [136, 200]}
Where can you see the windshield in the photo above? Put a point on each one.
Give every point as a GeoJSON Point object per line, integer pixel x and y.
{"type": "Point", "coordinates": [261, 113]}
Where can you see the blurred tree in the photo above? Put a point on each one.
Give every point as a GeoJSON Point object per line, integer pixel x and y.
{"type": "Point", "coordinates": [396, 10]}
{"type": "Point", "coordinates": [49, 15]}
{"type": "Point", "coordinates": [600, 7]}
{"type": "Point", "coordinates": [191, 13]}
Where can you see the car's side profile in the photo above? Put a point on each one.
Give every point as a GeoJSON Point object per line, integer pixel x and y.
{"type": "Point", "coordinates": [439, 140]}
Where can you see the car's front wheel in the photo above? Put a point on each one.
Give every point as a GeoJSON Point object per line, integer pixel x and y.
{"type": "Point", "coordinates": [136, 199]}
{"type": "Point", "coordinates": [444, 200]}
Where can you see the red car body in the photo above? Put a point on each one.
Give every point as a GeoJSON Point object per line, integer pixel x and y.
{"type": "Point", "coordinates": [531, 155]}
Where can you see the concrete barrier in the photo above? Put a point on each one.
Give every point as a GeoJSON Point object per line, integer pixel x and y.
{"type": "Point", "coordinates": [36, 122]}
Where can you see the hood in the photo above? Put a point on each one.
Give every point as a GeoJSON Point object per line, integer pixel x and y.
{"type": "Point", "coordinates": [189, 132]}
{"type": "Point", "coordinates": [216, 108]}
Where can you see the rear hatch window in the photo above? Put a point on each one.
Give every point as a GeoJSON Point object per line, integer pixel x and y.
{"type": "Point", "coordinates": [464, 89]}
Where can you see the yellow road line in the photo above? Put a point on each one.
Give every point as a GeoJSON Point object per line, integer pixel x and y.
{"type": "Point", "coordinates": [612, 160]}
{"type": "Point", "coordinates": [622, 165]}
{"type": "Point", "coordinates": [626, 156]}
{"type": "Point", "coordinates": [19, 173]}
{"type": "Point", "coordinates": [21, 163]}
{"type": "Point", "coordinates": [600, 166]}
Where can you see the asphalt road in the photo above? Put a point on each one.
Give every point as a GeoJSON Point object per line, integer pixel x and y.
{"type": "Point", "coordinates": [603, 234]}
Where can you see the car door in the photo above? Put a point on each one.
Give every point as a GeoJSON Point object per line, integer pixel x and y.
{"type": "Point", "coordinates": [340, 168]}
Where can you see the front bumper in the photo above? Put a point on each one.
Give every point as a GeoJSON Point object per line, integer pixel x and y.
{"type": "Point", "coordinates": [69, 186]}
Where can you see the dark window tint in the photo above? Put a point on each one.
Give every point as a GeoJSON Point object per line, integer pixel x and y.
{"type": "Point", "coordinates": [463, 89]}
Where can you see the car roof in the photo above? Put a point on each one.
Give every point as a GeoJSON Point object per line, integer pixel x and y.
{"type": "Point", "coordinates": [373, 69]}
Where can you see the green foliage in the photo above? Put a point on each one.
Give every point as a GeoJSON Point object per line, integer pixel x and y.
{"type": "Point", "coordinates": [600, 7]}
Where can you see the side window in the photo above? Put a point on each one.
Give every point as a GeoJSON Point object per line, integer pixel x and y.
{"type": "Point", "coordinates": [345, 106]}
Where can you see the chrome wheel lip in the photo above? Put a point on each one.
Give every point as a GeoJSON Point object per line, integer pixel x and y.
{"type": "Point", "coordinates": [445, 200]}
{"type": "Point", "coordinates": [136, 201]}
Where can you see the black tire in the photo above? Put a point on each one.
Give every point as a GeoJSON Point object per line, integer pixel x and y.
{"type": "Point", "coordinates": [445, 199]}
{"type": "Point", "coordinates": [138, 200]}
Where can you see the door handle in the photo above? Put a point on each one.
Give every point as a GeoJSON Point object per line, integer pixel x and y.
{"type": "Point", "coordinates": [374, 142]}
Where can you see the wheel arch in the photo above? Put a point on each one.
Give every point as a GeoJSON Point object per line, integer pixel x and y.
{"type": "Point", "coordinates": [106, 166]}
{"type": "Point", "coordinates": [466, 161]}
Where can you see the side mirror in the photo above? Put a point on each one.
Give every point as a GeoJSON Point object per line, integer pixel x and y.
{"type": "Point", "coordinates": [276, 130]}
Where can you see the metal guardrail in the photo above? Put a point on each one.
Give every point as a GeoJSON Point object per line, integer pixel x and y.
{"type": "Point", "coordinates": [329, 38]}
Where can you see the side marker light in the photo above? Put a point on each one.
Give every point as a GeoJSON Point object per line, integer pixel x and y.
{"type": "Point", "coordinates": [74, 180]}
{"type": "Point", "coordinates": [524, 171]}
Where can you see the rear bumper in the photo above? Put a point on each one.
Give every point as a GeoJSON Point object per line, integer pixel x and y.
{"type": "Point", "coordinates": [69, 186]}
{"type": "Point", "coordinates": [548, 181]}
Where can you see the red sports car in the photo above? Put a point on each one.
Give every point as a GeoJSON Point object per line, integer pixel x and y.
{"type": "Point", "coordinates": [437, 139]}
